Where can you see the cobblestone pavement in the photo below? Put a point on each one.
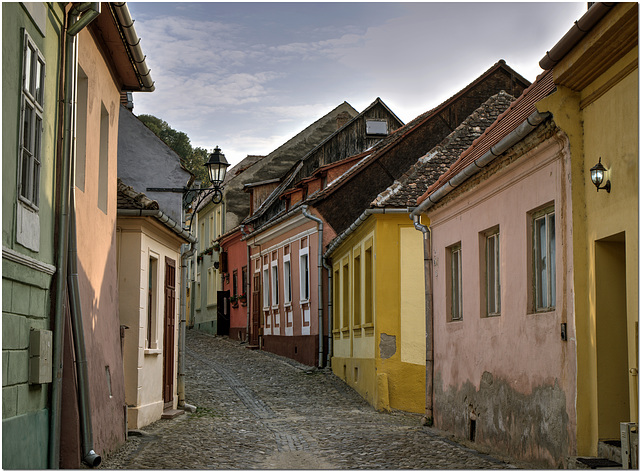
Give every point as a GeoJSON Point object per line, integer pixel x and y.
{"type": "Point", "coordinates": [256, 410]}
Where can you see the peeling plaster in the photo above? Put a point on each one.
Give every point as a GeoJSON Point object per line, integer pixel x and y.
{"type": "Point", "coordinates": [387, 346]}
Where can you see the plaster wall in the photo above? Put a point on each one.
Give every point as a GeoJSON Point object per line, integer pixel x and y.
{"type": "Point", "coordinates": [143, 363]}
{"type": "Point", "coordinates": [285, 320]}
{"type": "Point", "coordinates": [237, 259]}
{"type": "Point", "coordinates": [383, 360]}
{"type": "Point", "coordinates": [96, 234]}
{"type": "Point", "coordinates": [601, 120]}
{"type": "Point", "coordinates": [507, 381]}
{"type": "Point", "coordinates": [27, 274]}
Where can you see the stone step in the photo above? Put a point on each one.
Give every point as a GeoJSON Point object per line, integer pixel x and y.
{"type": "Point", "coordinates": [171, 413]}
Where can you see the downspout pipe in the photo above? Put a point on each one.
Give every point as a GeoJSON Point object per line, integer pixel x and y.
{"type": "Point", "coordinates": [247, 288]}
{"type": "Point", "coordinates": [77, 18]}
{"type": "Point", "coordinates": [507, 142]}
{"type": "Point", "coordinates": [329, 269]}
{"type": "Point", "coordinates": [428, 313]}
{"type": "Point", "coordinates": [187, 250]}
{"type": "Point", "coordinates": [308, 215]}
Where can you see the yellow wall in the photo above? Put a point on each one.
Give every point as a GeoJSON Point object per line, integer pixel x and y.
{"type": "Point", "coordinates": [601, 120]}
{"type": "Point", "coordinates": [390, 354]}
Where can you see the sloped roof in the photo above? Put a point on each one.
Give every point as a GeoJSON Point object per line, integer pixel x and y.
{"type": "Point", "coordinates": [507, 122]}
{"type": "Point", "coordinates": [289, 178]}
{"type": "Point", "coordinates": [395, 137]}
{"type": "Point", "coordinates": [128, 198]}
{"type": "Point", "coordinates": [405, 191]}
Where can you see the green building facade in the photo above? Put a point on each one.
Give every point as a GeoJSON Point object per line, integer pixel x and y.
{"type": "Point", "coordinates": [31, 68]}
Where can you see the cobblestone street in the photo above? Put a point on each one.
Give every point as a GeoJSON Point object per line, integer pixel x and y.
{"type": "Point", "coordinates": [258, 410]}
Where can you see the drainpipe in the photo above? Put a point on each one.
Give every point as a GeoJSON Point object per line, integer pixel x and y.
{"type": "Point", "coordinates": [247, 288]}
{"type": "Point", "coordinates": [428, 290]}
{"type": "Point", "coordinates": [305, 213]}
{"type": "Point", "coordinates": [184, 255]}
{"type": "Point", "coordinates": [329, 309]}
{"type": "Point", "coordinates": [78, 17]}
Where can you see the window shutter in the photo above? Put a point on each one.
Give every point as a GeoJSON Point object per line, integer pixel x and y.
{"type": "Point", "coordinates": [223, 262]}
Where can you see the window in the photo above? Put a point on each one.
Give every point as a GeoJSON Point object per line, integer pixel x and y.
{"type": "Point", "coordinates": [336, 299]}
{"type": "Point", "coordinates": [244, 280]}
{"type": "Point", "coordinates": [544, 259]}
{"type": "Point", "coordinates": [274, 283]}
{"type": "Point", "coordinates": [198, 295]}
{"type": "Point", "coordinates": [33, 69]}
{"type": "Point", "coordinates": [152, 304]}
{"type": "Point", "coordinates": [234, 283]}
{"type": "Point", "coordinates": [103, 165]}
{"type": "Point", "coordinates": [304, 274]}
{"type": "Point", "coordinates": [454, 282]}
{"type": "Point", "coordinates": [368, 282]}
{"type": "Point", "coordinates": [377, 126]}
{"type": "Point", "coordinates": [286, 267]}
{"type": "Point", "coordinates": [212, 286]}
{"type": "Point", "coordinates": [356, 288]}
{"type": "Point", "coordinates": [266, 302]}
{"type": "Point", "coordinates": [345, 296]}
{"type": "Point", "coordinates": [492, 272]}
{"type": "Point", "coordinates": [81, 128]}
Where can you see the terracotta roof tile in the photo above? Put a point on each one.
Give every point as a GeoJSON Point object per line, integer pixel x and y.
{"type": "Point", "coordinates": [508, 121]}
{"type": "Point", "coordinates": [128, 198]}
{"type": "Point", "coordinates": [405, 191]}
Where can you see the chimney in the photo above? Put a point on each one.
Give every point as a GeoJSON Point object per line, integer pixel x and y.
{"type": "Point", "coordinates": [342, 119]}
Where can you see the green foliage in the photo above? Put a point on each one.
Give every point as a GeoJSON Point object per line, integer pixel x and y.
{"type": "Point", "coordinates": [192, 159]}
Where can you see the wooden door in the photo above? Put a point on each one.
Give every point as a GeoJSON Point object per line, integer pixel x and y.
{"type": "Point", "coordinates": [169, 329]}
{"type": "Point", "coordinates": [256, 309]}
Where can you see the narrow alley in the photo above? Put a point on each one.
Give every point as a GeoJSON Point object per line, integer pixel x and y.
{"type": "Point", "coordinates": [256, 410]}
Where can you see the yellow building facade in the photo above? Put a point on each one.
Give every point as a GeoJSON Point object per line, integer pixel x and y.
{"type": "Point", "coordinates": [596, 104]}
{"type": "Point", "coordinates": [379, 312]}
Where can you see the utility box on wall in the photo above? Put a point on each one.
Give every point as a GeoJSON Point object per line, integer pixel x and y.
{"type": "Point", "coordinates": [40, 356]}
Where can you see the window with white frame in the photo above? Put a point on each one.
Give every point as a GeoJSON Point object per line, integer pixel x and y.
{"type": "Point", "coordinates": [152, 303]}
{"type": "Point", "coordinates": [198, 295]}
{"type": "Point", "coordinates": [212, 286]}
{"type": "Point", "coordinates": [286, 269]}
{"type": "Point", "coordinates": [544, 259]}
{"type": "Point", "coordinates": [32, 106]}
{"type": "Point", "coordinates": [304, 275]}
{"type": "Point", "coordinates": [454, 282]}
{"type": "Point", "coordinates": [266, 301]}
{"type": "Point", "coordinates": [492, 272]}
{"type": "Point", "coordinates": [274, 283]}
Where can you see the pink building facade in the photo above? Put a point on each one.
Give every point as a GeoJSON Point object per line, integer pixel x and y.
{"type": "Point", "coordinates": [235, 280]}
{"type": "Point", "coordinates": [504, 347]}
{"type": "Point", "coordinates": [284, 273]}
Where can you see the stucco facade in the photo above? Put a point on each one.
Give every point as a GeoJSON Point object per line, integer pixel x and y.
{"type": "Point", "coordinates": [27, 234]}
{"type": "Point", "coordinates": [145, 249]}
{"type": "Point", "coordinates": [235, 279]}
{"type": "Point", "coordinates": [596, 104]}
{"type": "Point", "coordinates": [506, 379]}
{"type": "Point", "coordinates": [378, 313]}
{"type": "Point", "coordinates": [284, 268]}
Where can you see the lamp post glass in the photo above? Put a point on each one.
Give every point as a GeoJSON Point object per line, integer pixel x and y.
{"type": "Point", "coordinates": [217, 167]}
{"type": "Point", "coordinates": [598, 172]}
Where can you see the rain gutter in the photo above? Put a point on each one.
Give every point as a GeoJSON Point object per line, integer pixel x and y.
{"type": "Point", "coordinates": [137, 57]}
{"type": "Point", "coordinates": [162, 217]}
{"type": "Point", "coordinates": [78, 18]}
{"type": "Point", "coordinates": [507, 142]}
{"type": "Point", "coordinates": [578, 31]}
{"type": "Point", "coordinates": [365, 214]}
{"type": "Point", "coordinates": [308, 215]}
{"type": "Point", "coordinates": [184, 255]}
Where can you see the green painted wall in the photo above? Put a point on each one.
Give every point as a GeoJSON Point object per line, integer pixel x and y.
{"type": "Point", "coordinates": [26, 274]}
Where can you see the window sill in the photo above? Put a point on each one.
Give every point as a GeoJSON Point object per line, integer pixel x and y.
{"type": "Point", "coordinates": [304, 301]}
{"type": "Point", "coordinates": [152, 351]}
{"type": "Point", "coordinates": [543, 311]}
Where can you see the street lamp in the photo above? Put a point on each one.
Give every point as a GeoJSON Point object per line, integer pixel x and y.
{"type": "Point", "coordinates": [216, 169]}
{"type": "Point", "coordinates": [598, 176]}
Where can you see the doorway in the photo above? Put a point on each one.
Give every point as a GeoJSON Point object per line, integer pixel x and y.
{"type": "Point", "coordinates": [611, 336]}
{"type": "Point", "coordinates": [169, 330]}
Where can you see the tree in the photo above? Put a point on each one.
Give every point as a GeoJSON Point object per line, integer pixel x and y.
{"type": "Point", "coordinates": [192, 159]}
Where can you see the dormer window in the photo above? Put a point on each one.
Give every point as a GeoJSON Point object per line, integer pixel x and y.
{"type": "Point", "coordinates": [377, 127]}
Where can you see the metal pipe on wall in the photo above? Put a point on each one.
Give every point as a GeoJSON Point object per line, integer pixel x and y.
{"type": "Point", "coordinates": [308, 215]}
{"type": "Point", "coordinates": [77, 18]}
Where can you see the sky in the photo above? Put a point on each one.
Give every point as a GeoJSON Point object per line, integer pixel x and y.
{"type": "Point", "coordinates": [247, 77]}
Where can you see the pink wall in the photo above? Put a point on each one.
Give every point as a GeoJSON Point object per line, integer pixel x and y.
{"type": "Point", "coordinates": [512, 372]}
{"type": "Point", "coordinates": [236, 259]}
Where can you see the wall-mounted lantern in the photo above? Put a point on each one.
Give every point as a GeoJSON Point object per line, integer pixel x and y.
{"type": "Point", "coordinates": [599, 175]}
